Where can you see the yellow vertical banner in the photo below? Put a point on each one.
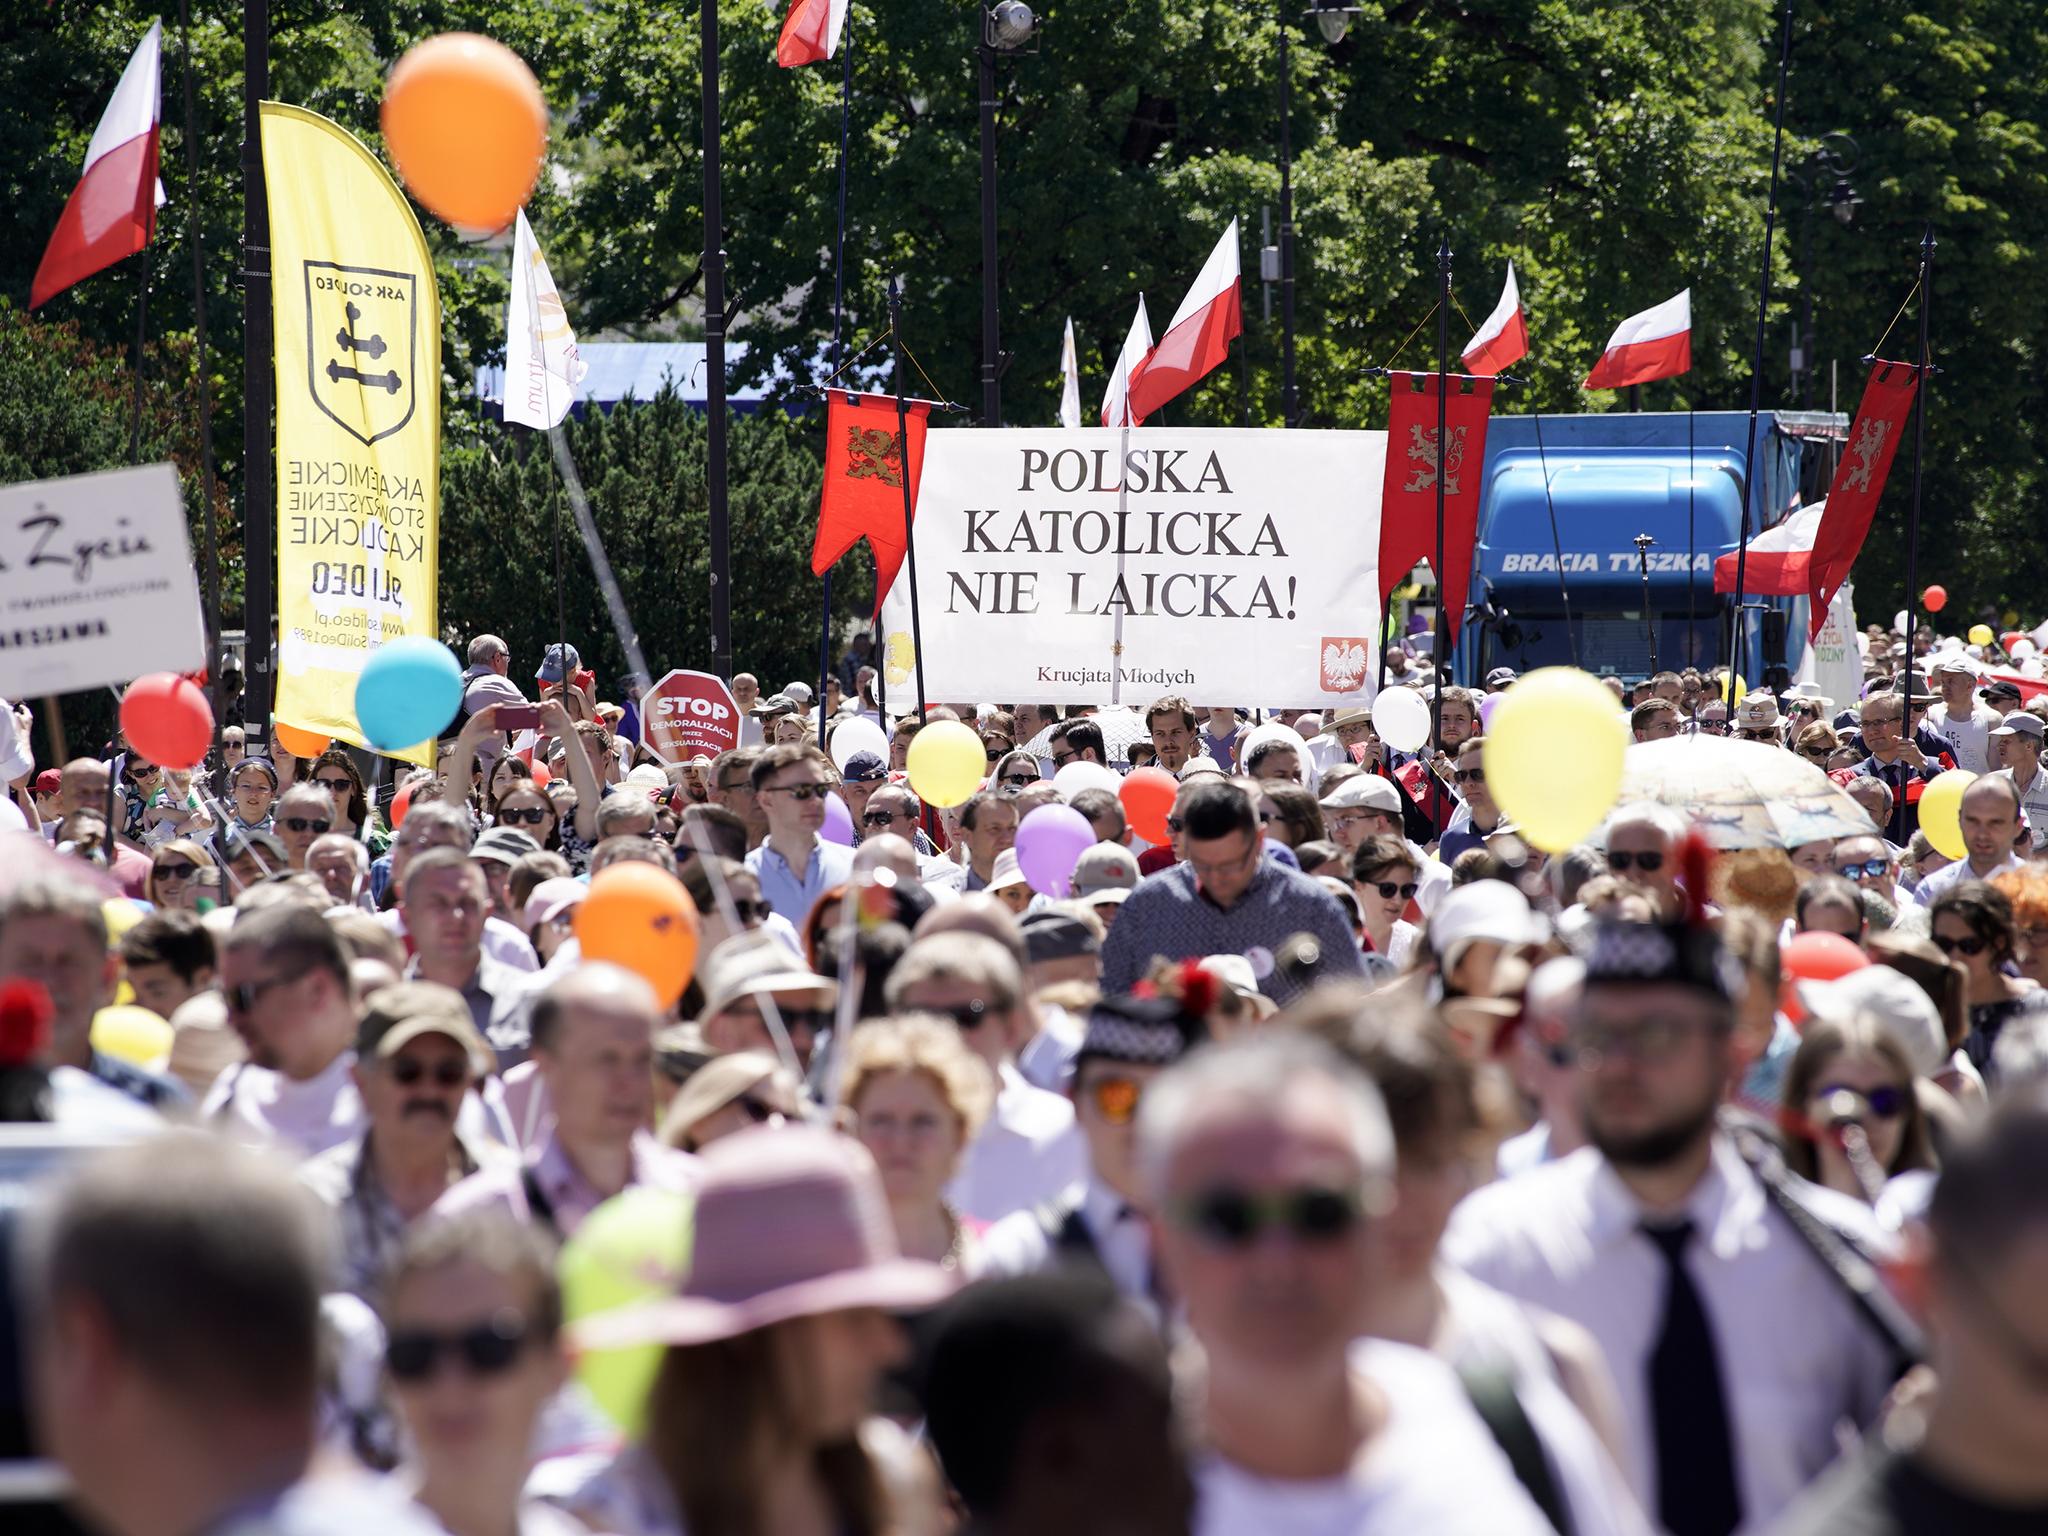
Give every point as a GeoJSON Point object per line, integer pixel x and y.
{"type": "Point", "coordinates": [358, 347]}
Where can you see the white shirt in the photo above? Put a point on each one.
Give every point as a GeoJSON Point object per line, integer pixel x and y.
{"type": "Point", "coordinates": [1027, 1154]}
{"type": "Point", "coordinates": [503, 942]}
{"type": "Point", "coordinates": [1020, 1245]}
{"type": "Point", "coordinates": [2033, 798]}
{"type": "Point", "coordinates": [255, 1105]}
{"type": "Point", "coordinates": [1968, 737]}
{"type": "Point", "coordinates": [1433, 1470]}
{"type": "Point", "coordinates": [1797, 1358]}
{"type": "Point", "coordinates": [1949, 876]}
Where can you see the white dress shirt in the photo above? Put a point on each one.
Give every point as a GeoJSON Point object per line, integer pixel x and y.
{"type": "Point", "coordinates": [1028, 1153]}
{"type": "Point", "coordinates": [1949, 876]}
{"type": "Point", "coordinates": [1020, 1245]}
{"type": "Point", "coordinates": [1797, 1359]}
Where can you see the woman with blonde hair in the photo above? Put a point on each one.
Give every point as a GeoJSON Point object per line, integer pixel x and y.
{"type": "Point", "coordinates": [915, 1096]}
{"type": "Point", "coordinates": [182, 874]}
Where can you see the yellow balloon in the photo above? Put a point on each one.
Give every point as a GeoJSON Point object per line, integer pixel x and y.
{"type": "Point", "coordinates": [1980, 634]}
{"type": "Point", "coordinates": [1941, 812]}
{"type": "Point", "coordinates": [134, 1034]}
{"type": "Point", "coordinates": [947, 763]}
{"type": "Point", "coordinates": [1741, 689]}
{"type": "Point", "coordinates": [633, 1248]}
{"type": "Point", "coordinates": [1553, 756]}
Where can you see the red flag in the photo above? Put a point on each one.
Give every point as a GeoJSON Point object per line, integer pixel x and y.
{"type": "Point", "coordinates": [112, 210]}
{"type": "Point", "coordinates": [1199, 336]}
{"type": "Point", "coordinates": [1859, 480]}
{"type": "Point", "coordinates": [1656, 344]}
{"type": "Point", "coordinates": [864, 467]}
{"type": "Point", "coordinates": [810, 32]}
{"type": "Point", "coordinates": [1408, 496]}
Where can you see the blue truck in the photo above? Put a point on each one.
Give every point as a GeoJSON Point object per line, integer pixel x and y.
{"type": "Point", "coordinates": [1604, 479]}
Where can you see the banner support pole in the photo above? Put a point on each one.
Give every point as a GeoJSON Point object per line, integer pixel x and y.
{"type": "Point", "coordinates": [208, 537]}
{"type": "Point", "coordinates": [1440, 646]}
{"type": "Point", "coordinates": [259, 509]}
{"type": "Point", "coordinates": [838, 341]}
{"type": "Point", "coordinates": [1750, 479]}
{"type": "Point", "coordinates": [1919, 443]}
{"type": "Point", "coordinates": [1564, 595]}
{"type": "Point", "coordinates": [714, 349]}
{"type": "Point", "coordinates": [903, 444]}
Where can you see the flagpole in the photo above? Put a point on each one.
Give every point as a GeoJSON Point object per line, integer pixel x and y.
{"type": "Point", "coordinates": [259, 511]}
{"type": "Point", "coordinates": [1919, 444]}
{"type": "Point", "coordinates": [1736, 647]}
{"type": "Point", "coordinates": [1564, 595]}
{"type": "Point", "coordinates": [208, 538]}
{"type": "Point", "coordinates": [1692, 606]}
{"type": "Point", "coordinates": [838, 342]}
{"type": "Point", "coordinates": [714, 352]}
{"type": "Point", "coordinates": [141, 332]}
{"type": "Point", "coordinates": [903, 446]}
{"type": "Point", "coordinates": [1439, 649]}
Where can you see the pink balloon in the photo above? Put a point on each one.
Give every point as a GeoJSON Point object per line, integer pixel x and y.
{"type": "Point", "coordinates": [1050, 843]}
{"type": "Point", "coordinates": [838, 826]}
{"type": "Point", "coordinates": [1487, 706]}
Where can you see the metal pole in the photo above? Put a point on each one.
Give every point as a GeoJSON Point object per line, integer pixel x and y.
{"type": "Point", "coordinates": [838, 337]}
{"type": "Point", "coordinates": [1290, 415]}
{"type": "Point", "coordinates": [259, 509]}
{"type": "Point", "coordinates": [1643, 542]}
{"type": "Point", "coordinates": [903, 444]}
{"type": "Point", "coordinates": [209, 550]}
{"type": "Point", "coordinates": [1564, 595]}
{"type": "Point", "coordinates": [1906, 673]}
{"type": "Point", "coordinates": [141, 335]}
{"type": "Point", "coordinates": [1440, 648]}
{"type": "Point", "coordinates": [991, 342]}
{"type": "Point", "coordinates": [714, 353]}
{"type": "Point", "coordinates": [1736, 638]}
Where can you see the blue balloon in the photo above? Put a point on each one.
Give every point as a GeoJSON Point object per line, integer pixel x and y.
{"type": "Point", "coordinates": [409, 690]}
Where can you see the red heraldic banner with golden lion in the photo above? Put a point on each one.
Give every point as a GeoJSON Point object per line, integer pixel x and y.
{"type": "Point", "coordinates": [1408, 497]}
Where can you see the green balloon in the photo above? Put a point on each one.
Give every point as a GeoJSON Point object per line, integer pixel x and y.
{"type": "Point", "coordinates": [633, 1248]}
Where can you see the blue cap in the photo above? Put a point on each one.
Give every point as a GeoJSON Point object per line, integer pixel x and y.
{"type": "Point", "coordinates": [552, 665]}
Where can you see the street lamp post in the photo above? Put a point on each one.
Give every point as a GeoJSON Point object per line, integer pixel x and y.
{"type": "Point", "coordinates": [1006, 29]}
{"type": "Point", "coordinates": [1823, 179]}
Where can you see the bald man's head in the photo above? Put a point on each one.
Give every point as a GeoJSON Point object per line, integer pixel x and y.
{"type": "Point", "coordinates": [886, 851]}
{"type": "Point", "coordinates": [82, 785]}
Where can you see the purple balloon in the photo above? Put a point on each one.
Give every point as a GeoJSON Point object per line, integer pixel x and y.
{"type": "Point", "coordinates": [838, 826]}
{"type": "Point", "coordinates": [1487, 706]}
{"type": "Point", "coordinates": [1049, 844]}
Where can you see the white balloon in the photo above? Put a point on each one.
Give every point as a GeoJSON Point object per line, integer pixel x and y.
{"type": "Point", "coordinates": [1401, 716]}
{"type": "Point", "coordinates": [2021, 649]}
{"type": "Point", "coordinates": [1077, 776]}
{"type": "Point", "coordinates": [858, 734]}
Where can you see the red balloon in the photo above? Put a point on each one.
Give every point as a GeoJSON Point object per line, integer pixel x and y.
{"type": "Point", "coordinates": [2005, 640]}
{"type": "Point", "coordinates": [400, 804]}
{"type": "Point", "coordinates": [1934, 599]}
{"type": "Point", "coordinates": [1147, 797]}
{"type": "Point", "coordinates": [167, 719]}
{"type": "Point", "coordinates": [1815, 957]}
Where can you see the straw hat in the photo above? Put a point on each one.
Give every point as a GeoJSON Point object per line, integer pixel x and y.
{"type": "Point", "coordinates": [790, 1222]}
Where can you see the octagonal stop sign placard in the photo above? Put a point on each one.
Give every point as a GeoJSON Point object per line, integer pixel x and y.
{"type": "Point", "coordinates": [688, 713]}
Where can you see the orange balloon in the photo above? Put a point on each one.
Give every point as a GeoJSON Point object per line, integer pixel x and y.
{"type": "Point", "coordinates": [467, 126]}
{"type": "Point", "coordinates": [640, 917]}
{"type": "Point", "coordinates": [300, 743]}
{"type": "Point", "coordinates": [400, 804]}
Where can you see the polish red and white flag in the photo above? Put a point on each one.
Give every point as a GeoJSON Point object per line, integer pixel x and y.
{"type": "Point", "coordinates": [112, 211]}
{"type": "Point", "coordinates": [1137, 346]}
{"type": "Point", "coordinates": [1656, 344]}
{"type": "Point", "coordinates": [1504, 339]}
{"type": "Point", "coordinates": [810, 32]}
{"type": "Point", "coordinates": [1198, 340]}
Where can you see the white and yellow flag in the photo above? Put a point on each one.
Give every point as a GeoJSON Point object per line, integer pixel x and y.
{"type": "Point", "coordinates": [542, 366]}
{"type": "Point", "coordinates": [358, 347]}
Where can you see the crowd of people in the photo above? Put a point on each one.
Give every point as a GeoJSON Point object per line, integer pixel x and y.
{"type": "Point", "coordinates": [1338, 1162]}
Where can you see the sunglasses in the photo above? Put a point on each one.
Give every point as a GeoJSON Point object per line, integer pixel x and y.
{"type": "Point", "coordinates": [143, 771]}
{"type": "Point", "coordinates": [408, 1073]}
{"type": "Point", "coordinates": [1235, 1218]}
{"type": "Point", "coordinates": [485, 1350]}
{"type": "Point", "coordinates": [752, 911]}
{"type": "Point", "coordinates": [243, 998]}
{"type": "Point", "coordinates": [1175, 823]}
{"type": "Point", "coordinates": [881, 818]}
{"type": "Point", "coordinates": [1971, 945]}
{"type": "Point", "coordinates": [1885, 1103]}
{"type": "Point", "coordinates": [798, 792]}
{"type": "Point", "coordinates": [1389, 889]}
{"type": "Point", "coordinates": [1622, 861]}
{"type": "Point", "coordinates": [968, 1016]}
{"type": "Point", "coordinates": [1869, 869]}
{"type": "Point", "coordinates": [1115, 1098]}
{"type": "Point", "coordinates": [1018, 780]}
{"type": "Point", "coordinates": [531, 815]}
{"type": "Point", "coordinates": [1470, 776]}
{"type": "Point", "coordinates": [1061, 759]}
{"type": "Point", "coordinates": [304, 823]}
{"type": "Point", "coordinates": [997, 754]}
{"type": "Point", "coordinates": [336, 786]}
{"type": "Point", "coordinates": [175, 872]}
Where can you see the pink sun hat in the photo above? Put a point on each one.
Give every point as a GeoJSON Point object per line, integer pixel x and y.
{"type": "Point", "coordinates": [790, 1222]}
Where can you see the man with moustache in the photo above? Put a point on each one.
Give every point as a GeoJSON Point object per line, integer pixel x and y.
{"type": "Point", "coordinates": [417, 1055]}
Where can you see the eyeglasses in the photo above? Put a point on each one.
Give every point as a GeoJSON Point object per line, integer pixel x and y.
{"type": "Point", "coordinates": [1968, 945]}
{"type": "Point", "coordinates": [1018, 780]}
{"type": "Point", "coordinates": [751, 912]}
{"type": "Point", "coordinates": [882, 818]}
{"type": "Point", "coordinates": [1389, 889]}
{"type": "Point", "coordinates": [1061, 759]}
{"type": "Point", "coordinates": [969, 1016]}
{"type": "Point", "coordinates": [485, 1350]}
{"type": "Point", "coordinates": [304, 823]}
{"type": "Point", "coordinates": [336, 786]}
{"type": "Point", "coordinates": [176, 872]}
{"type": "Point", "coordinates": [997, 754]}
{"type": "Point", "coordinates": [1764, 735]}
{"type": "Point", "coordinates": [1712, 727]}
{"type": "Point", "coordinates": [408, 1072]}
{"type": "Point", "coordinates": [1470, 775]}
{"type": "Point", "coordinates": [243, 998]}
{"type": "Point", "coordinates": [1620, 861]}
{"type": "Point", "coordinates": [798, 792]}
{"type": "Point", "coordinates": [1869, 869]}
{"type": "Point", "coordinates": [1235, 1218]}
{"type": "Point", "coordinates": [1885, 1103]}
{"type": "Point", "coordinates": [1115, 1098]}
{"type": "Point", "coordinates": [143, 770]}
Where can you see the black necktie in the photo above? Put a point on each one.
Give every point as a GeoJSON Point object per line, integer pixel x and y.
{"type": "Point", "coordinates": [1688, 1409]}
